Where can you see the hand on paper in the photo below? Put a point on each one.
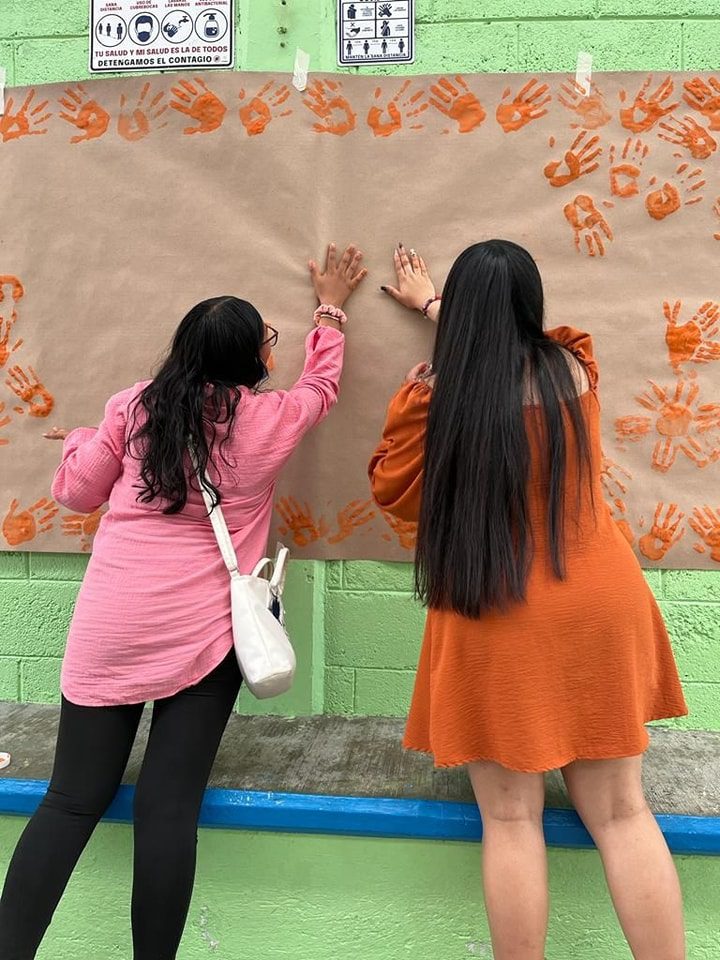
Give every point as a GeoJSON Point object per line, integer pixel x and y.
{"type": "Point", "coordinates": [340, 278]}
{"type": "Point", "coordinates": [421, 373]}
{"type": "Point", "coordinates": [57, 433]}
{"type": "Point", "coordinates": [414, 286]}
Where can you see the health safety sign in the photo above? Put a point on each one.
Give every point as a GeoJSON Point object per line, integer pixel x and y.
{"type": "Point", "coordinates": [376, 31]}
{"type": "Point", "coordinates": [167, 35]}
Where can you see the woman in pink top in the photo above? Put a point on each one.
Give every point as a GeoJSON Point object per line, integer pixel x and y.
{"type": "Point", "coordinates": [152, 621]}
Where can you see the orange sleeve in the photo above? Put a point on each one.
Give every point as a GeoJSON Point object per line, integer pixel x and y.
{"type": "Point", "coordinates": [397, 465]}
{"type": "Point", "coordinates": [581, 345]}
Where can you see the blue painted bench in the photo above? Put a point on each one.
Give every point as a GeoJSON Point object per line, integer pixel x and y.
{"type": "Point", "coordinates": [333, 775]}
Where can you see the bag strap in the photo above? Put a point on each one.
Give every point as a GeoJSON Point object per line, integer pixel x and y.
{"type": "Point", "coordinates": [278, 570]}
{"type": "Point", "coordinates": [222, 535]}
{"type": "Point", "coordinates": [220, 527]}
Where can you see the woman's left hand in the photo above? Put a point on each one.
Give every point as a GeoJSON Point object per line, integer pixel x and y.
{"type": "Point", "coordinates": [57, 433]}
{"type": "Point", "coordinates": [414, 287]}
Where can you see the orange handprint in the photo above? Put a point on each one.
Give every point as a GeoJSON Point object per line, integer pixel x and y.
{"type": "Point", "coordinates": [664, 455]}
{"type": "Point", "coordinates": [27, 122]}
{"type": "Point", "coordinates": [85, 115]}
{"type": "Point", "coordinates": [689, 134]}
{"type": "Point", "coordinates": [664, 533]}
{"type": "Point", "coordinates": [197, 101]}
{"type": "Point", "coordinates": [625, 172]}
{"type": "Point", "coordinates": [386, 120]}
{"type": "Point", "coordinates": [716, 211]}
{"type": "Point", "coordinates": [618, 511]}
{"type": "Point", "coordinates": [590, 109]}
{"type": "Point", "coordinates": [457, 102]}
{"type": "Point", "coordinates": [615, 486]}
{"type": "Point", "coordinates": [692, 341]}
{"type": "Point", "coordinates": [82, 525]}
{"type": "Point", "coordinates": [404, 530]}
{"type": "Point", "coordinates": [707, 417]}
{"type": "Point", "coordinates": [354, 515]}
{"type": "Point", "coordinates": [513, 114]}
{"type": "Point", "coordinates": [705, 98]}
{"type": "Point", "coordinates": [299, 521]}
{"type": "Point", "coordinates": [681, 423]}
{"type": "Point", "coordinates": [31, 391]}
{"type": "Point", "coordinates": [17, 291]}
{"type": "Point", "coordinates": [6, 326]}
{"type": "Point", "coordinates": [645, 111]}
{"type": "Point", "coordinates": [325, 99]}
{"type": "Point", "coordinates": [136, 124]}
{"type": "Point", "coordinates": [579, 160]}
{"type": "Point", "coordinates": [706, 524]}
{"type": "Point", "coordinates": [25, 525]}
{"type": "Point", "coordinates": [701, 454]}
{"type": "Point", "coordinates": [667, 199]}
{"type": "Point", "coordinates": [588, 224]}
{"type": "Point", "coordinates": [632, 429]}
{"type": "Point", "coordinates": [4, 421]}
{"type": "Point", "coordinates": [264, 107]}
{"type": "Point", "coordinates": [675, 409]}
{"type": "Point", "coordinates": [615, 489]}
{"type": "Point", "coordinates": [7, 323]}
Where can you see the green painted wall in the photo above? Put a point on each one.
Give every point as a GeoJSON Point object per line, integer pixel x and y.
{"type": "Point", "coordinates": [281, 897]}
{"type": "Point", "coordinates": [316, 898]}
{"type": "Point", "coordinates": [357, 627]}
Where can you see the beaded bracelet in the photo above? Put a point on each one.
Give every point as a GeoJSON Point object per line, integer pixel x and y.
{"type": "Point", "coordinates": [327, 310]}
{"type": "Point", "coordinates": [428, 303]}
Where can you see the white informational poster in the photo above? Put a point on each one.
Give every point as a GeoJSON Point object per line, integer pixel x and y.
{"type": "Point", "coordinates": [376, 31]}
{"type": "Point", "coordinates": [143, 35]}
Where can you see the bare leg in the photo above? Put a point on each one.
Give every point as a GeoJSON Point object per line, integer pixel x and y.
{"type": "Point", "coordinates": [641, 875]}
{"type": "Point", "coordinates": [514, 859]}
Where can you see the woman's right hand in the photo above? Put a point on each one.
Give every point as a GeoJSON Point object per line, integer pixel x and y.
{"type": "Point", "coordinates": [421, 373]}
{"type": "Point", "coordinates": [414, 286]}
{"type": "Point", "coordinates": [340, 278]}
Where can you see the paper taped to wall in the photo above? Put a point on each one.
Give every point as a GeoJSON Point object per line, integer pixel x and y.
{"type": "Point", "coordinates": [127, 201]}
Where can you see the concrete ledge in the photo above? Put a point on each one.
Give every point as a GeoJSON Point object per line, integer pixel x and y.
{"type": "Point", "coordinates": [337, 776]}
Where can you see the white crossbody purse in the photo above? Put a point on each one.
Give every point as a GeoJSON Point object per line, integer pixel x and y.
{"type": "Point", "coordinates": [262, 646]}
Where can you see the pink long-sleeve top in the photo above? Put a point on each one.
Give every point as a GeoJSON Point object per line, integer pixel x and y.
{"type": "Point", "coordinates": [153, 613]}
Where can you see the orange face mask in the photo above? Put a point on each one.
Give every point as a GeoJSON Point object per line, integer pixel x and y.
{"type": "Point", "coordinates": [270, 363]}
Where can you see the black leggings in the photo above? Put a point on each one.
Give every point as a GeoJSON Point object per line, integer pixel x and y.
{"type": "Point", "coordinates": [93, 747]}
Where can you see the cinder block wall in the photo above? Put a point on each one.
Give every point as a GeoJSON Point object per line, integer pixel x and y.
{"type": "Point", "coordinates": [371, 625]}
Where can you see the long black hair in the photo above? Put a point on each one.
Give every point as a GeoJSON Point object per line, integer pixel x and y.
{"type": "Point", "coordinates": [475, 545]}
{"type": "Point", "coordinates": [215, 351]}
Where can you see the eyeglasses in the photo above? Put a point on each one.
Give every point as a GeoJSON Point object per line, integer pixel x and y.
{"type": "Point", "coordinates": [273, 338]}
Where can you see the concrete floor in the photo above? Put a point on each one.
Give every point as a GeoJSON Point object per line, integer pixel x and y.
{"type": "Point", "coordinates": [363, 757]}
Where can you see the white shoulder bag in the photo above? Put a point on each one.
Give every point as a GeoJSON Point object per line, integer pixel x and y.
{"type": "Point", "coordinates": [264, 652]}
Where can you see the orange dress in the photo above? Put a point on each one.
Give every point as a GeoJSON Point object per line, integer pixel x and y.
{"type": "Point", "coordinates": [574, 672]}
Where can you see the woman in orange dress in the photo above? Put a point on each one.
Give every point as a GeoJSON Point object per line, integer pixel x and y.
{"type": "Point", "coordinates": [544, 648]}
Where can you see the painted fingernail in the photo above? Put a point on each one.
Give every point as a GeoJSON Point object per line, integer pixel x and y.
{"type": "Point", "coordinates": [384, 289]}
{"type": "Point", "coordinates": [400, 245]}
